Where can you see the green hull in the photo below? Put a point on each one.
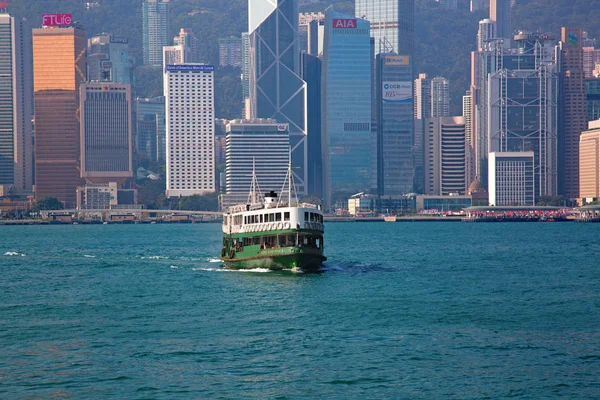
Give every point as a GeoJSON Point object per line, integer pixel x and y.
{"type": "Point", "coordinates": [289, 258]}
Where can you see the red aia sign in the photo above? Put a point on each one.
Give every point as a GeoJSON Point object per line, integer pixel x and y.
{"type": "Point", "coordinates": [57, 20]}
{"type": "Point", "coordinates": [4, 4]}
{"type": "Point", "coordinates": [344, 23]}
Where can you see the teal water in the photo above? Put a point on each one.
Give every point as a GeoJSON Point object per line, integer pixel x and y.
{"type": "Point", "coordinates": [403, 311]}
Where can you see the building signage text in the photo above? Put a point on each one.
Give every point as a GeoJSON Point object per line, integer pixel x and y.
{"type": "Point", "coordinates": [396, 60]}
{"type": "Point", "coordinates": [190, 68]}
{"type": "Point", "coordinates": [397, 92]}
{"type": "Point", "coordinates": [349, 23]}
{"type": "Point", "coordinates": [57, 19]}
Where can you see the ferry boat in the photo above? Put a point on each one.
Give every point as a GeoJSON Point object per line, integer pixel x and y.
{"type": "Point", "coordinates": [273, 232]}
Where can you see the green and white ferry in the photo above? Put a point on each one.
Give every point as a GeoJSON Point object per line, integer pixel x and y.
{"type": "Point", "coordinates": [272, 232]}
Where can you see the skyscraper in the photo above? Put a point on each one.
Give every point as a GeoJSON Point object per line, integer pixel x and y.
{"type": "Point", "coordinates": [517, 106]}
{"type": "Point", "coordinates": [512, 178]}
{"type": "Point", "coordinates": [477, 5]}
{"type": "Point", "coordinates": [58, 69]}
{"type": "Point", "coordinates": [16, 88]}
{"type": "Point", "coordinates": [440, 97]}
{"type": "Point", "coordinates": [187, 39]}
{"type": "Point", "coordinates": [245, 77]}
{"type": "Point", "coordinates": [486, 32]}
{"type": "Point", "coordinates": [392, 24]}
{"type": "Point", "coordinates": [108, 59]}
{"type": "Point", "coordinates": [151, 128]}
{"type": "Point", "coordinates": [178, 54]}
{"type": "Point", "coordinates": [259, 144]}
{"type": "Point", "coordinates": [573, 110]}
{"type": "Point", "coordinates": [589, 162]}
{"type": "Point", "coordinates": [422, 97]}
{"type": "Point", "coordinates": [445, 156]}
{"type": "Point", "coordinates": [311, 74]}
{"type": "Point", "coordinates": [500, 14]}
{"type": "Point", "coordinates": [394, 119]}
{"type": "Point", "coordinates": [155, 17]}
{"type": "Point", "coordinates": [276, 89]}
{"type": "Point", "coordinates": [189, 93]}
{"type": "Point", "coordinates": [345, 106]}
{"type": "Point", "coordinates": [106, 132]}
{"type": "Point", "coordinates": [230, 52]}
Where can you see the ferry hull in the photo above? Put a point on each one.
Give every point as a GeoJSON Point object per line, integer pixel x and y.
{"type": "Point", "coordinates": [296, 261]}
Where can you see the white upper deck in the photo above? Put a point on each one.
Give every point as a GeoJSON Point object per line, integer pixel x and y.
{"type": "Point", "coordinates": [271, 216]}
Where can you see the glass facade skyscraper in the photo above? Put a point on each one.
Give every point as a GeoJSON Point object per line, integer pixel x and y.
{"type": "Point", "coordinates": [16, 88]}
{"type": "Point", "coordinates": [346, 106]}
{"type": "Point", "coordinates": [155, 17]}
{"type": "Point", "coordinates": [394, 115]}
{"type": "Point", "coordinates": [392, 24]}
{"type": "Point", "coordinates": [108, 59]}
{"type": "Point", "coordinates": [276, 89]}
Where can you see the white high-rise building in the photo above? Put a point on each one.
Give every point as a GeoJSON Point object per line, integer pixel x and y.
{"type": "Point", "coordinates": [511, 178]}
{"type": "Point", "coordinates": [487, 31]}
{"type": "Point", "coordinates": [177, 54]}
{"type": "Point", "coordinates": [440, 97]}
{"type": "Point", "coordinates": [16, 90]}
{"type": "Point", "coordinates": [189, 94]}
{"type": "Point", "coordinates": [155, 29]}
{"type": "Point", "coordinates": [422, 97]}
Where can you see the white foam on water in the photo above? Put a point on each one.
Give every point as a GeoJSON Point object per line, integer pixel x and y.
{"type": "Point", "coordinates": [14, 254]}
{"type": "Point", "coordinates": [215, 260]}
{"type": "Point", "coordinates": [174, 266]}
{"type": "Point", "coordinates": [255, 270]}
{"type": "Point", "coordinates": [89, 256]}
{"type": "Point", "coordinates": [155, 258]}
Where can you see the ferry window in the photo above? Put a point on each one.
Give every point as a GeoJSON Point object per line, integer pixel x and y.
{"type": "Point", "coordinates": [290, 240]}
{"type": "Point", "coordinates": [271, 217]}
{"type": "Point", "coordinates": [281, 240]}
{"type": "Point", "coordinates": [261, 218]}
{"type": "Point", "coordinates": [286, 216]}
{"type": "Point", "coordinates": [306, 216]}
{"type": "Point", "coordinates": [256, 240]}
{"type": "Point", "coordinates": [277, 216]}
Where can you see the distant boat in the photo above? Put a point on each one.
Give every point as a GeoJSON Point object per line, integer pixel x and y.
{"type": "Point", "coordinates": [390, 218]}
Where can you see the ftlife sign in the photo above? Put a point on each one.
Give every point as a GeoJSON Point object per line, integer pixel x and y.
{"type": "Point", "coordinates": [349, 23]}
{"type": "Point", "coordinates": [57, 20]}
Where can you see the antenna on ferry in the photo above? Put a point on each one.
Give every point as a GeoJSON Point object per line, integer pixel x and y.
{"type": "Point", "coordinates": [255, 194]}
{"type": "Point", "coordinates": [291, 185]}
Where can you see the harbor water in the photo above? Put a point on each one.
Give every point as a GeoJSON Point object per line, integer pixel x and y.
{"type": "Point", "coordinates": [402, 311]}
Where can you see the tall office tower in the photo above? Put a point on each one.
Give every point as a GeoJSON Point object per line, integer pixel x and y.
{"type": "Point", "coordinates": [487, 31]}
{"type": "Point", "coordinates": [189, 93]}
{"type": "Point", "coordinates": [304, 21]}
{"type": "Point", "coordinates": [445, 156]}
{"type": "Point", "coordinates": [468, 116]}
{"type": "Point", "coordinates": [500, 14]}
{"type": "Point", "coordinates": [186, 38]}
{"type": "Point", "coordinates": [392, 24]}
{"type": "Point", "coordinates": [16, 88]}
{"type": "Point", "coordinates": [517, 105]}
{"type": "Point", "coordinates": [245, 77]}
{"type": "Point", "coordinates": [58, 70]}
{"type": "Point", "coordinates": [589, 162]}
{"type": "Point", "coordinates": [440, 97]}
{"type": "Point", "coordinates": [311, 67]}
{"type": "Point", "coordinates": [106, 132]}
{"type": "Point", "coordinates": [512, 178]}
{"type": "Point", "coordinates": [259, 144]}
{"type": "Point", "coordinates": [316, 31]}
{"type": "Point", "coordinates": [108, 59]}
{"type": "Point", "coordinates": [345, 107]}
{"type": "Point", "coordinates": [175, 55]}
{"type": "Point", "coordinates": [592, 93]}
{"type": "Point", "coordinates": [422, 97]}
{"type": "Point", "coordinates": [573, 110]}
{"type": "Point", "coordinates": [394, 116]}
{"type": "Point", "coordinates": [155, 17]}
{"type": "Point", "coordinates": [477, 5]}
{"type": "Point", "coordinates": [151, 128]}
{"type": "Point", "coordinates": [230, 52]}
{"type": "Point", "coordinates": [276, 89]}
{"type": "Point", "coordinates": [589, 62]}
